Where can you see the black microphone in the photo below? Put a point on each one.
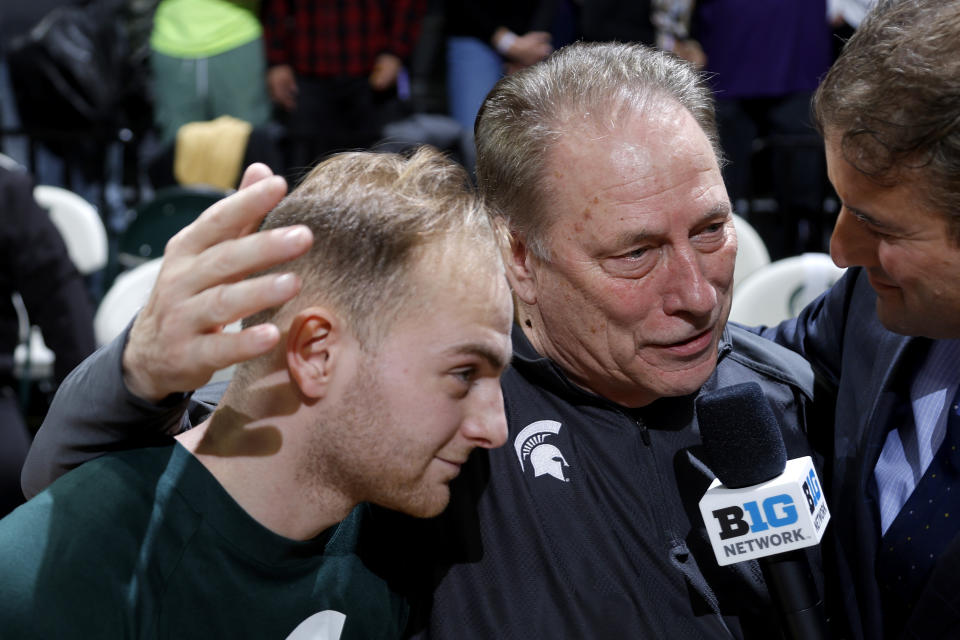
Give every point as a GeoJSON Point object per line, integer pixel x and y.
{"type": "Point", "coordinates": [763, 506]}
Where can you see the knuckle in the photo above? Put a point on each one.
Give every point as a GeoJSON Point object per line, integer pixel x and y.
{"type": "Point", "coordinates": [176, 241]}
{"type": "Point", "coordinates": [219, 301]}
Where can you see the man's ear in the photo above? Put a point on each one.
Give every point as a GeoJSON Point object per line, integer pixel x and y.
{"type": "Point", "coordinates": [521, 268]}
{"type": "Point", "coordinates": [314, 345]}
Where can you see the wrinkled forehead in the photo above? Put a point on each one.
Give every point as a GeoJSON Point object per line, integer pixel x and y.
{"type": "Point", "coordinates": [629, 117]}
{"type": "Point", "coordinates": [647, 153]}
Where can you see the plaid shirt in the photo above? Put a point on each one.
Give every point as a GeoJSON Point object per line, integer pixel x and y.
{"type": "Point", "coordinates": [330, 38]}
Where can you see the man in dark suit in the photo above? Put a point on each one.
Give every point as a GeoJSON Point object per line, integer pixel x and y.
{"type": "Point", "coordinates": [886, 338]}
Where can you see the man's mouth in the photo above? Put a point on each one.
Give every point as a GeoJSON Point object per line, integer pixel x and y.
{"type": "Point", "coordinates": [453, 464]}
{"type": "Point", "coordinates": [693, 345]}
{"type": "Point", "coordinates": [880, 284]}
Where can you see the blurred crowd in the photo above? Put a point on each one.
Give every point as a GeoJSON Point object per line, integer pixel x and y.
{"type": "Point", "coordinates": [115, 99]}
{"type": "Point", "coordinates": [288, 81]}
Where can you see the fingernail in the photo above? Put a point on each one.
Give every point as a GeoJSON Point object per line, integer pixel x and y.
{"type": "Point", "coordinates": [297, 235]}
{"type": "Point", "coordinates": [286, 284]}
{"type": "Point", "coordinates": [265, 335]}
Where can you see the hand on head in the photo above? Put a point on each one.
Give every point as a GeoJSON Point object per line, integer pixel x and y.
{"type": "Point", "coordinates": [177, 341]}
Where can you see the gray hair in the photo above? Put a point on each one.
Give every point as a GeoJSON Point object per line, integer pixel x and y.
{"type": "Point", "coordinates": [527, 112]}
{"type": "Point", "coordinates": [893, 96]}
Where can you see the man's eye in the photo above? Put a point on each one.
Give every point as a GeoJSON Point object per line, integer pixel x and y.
{"type": "Point", "coordinates": [634, 254]}
{"type": "Point", "coordinates": [631, 264]}
{"type": "Point", "coordinates": [711, 231]}
{"type": "Point", "coordinates": [710, 237]}
{"type": "Point", "coordinates": [870, 228]}
{"type": "Point", "coordinates": [880, 235]}
{"type": "Point", "coordinates": [465, 375]}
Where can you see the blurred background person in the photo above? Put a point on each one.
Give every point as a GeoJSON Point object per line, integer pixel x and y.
{"type": "Point", "coordinates": [486, 40]}
{"type": "Point", "coordinates": [764, 60]}
{"type": "Point", "coordinates": [208, 60]}
{"type": "Point", "coordinates": [333, 70]}
{"type": "Point", "coordinates": [36, 265]}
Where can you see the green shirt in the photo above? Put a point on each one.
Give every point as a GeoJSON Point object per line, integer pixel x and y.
{"type": "Point", "coordinates": [147, 544]}
{"type": "Point", "coordinates": [203, 28]}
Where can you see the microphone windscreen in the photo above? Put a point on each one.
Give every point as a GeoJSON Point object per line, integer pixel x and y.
{"type": "Point", "coordinates": [741, 435]}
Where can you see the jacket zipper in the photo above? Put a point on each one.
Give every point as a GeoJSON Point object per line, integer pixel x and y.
{"type": "Point", "coordinates": [644, 431]}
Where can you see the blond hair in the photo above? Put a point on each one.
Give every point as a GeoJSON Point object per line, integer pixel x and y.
{"type": "Point", "coordinates": [371, 215]}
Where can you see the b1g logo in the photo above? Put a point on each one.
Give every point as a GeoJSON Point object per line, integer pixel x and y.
{"type": "Point", "coordinates": [779, 511]}
{"type": "Point", "coordinates": [812, 491]}
{"type": "Point", "coordinates": [773, 512]}
{"type": "Point", "coordinates": [786, 512]}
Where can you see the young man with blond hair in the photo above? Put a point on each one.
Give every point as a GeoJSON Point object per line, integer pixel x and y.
{"type": "Point", "coordinates": [384, 376]}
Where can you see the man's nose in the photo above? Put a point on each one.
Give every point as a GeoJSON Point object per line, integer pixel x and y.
{"type": "Point", "coordinates": [851, 244]}
{"type": "Point", "coordinates": [486, 424]}
{"type": "Point", "coordinates": [687, 289]}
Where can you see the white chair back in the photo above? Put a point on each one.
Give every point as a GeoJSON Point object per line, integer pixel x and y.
{"type": "Point", "coordinates": [79, 224]}
{"type": "Point", "coordinates": [781, 289]}
{"type": "Point", "coordinates": [127, 294]}
{"type": "Point", "coordinates": [752, 253]}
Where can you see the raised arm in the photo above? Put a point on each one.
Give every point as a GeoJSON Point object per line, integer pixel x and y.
{"type": "Point", "coordinates": [134, 391]}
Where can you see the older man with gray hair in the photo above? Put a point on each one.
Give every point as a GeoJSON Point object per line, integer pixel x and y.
{"type": "Point", "coordinates": [601, 165]}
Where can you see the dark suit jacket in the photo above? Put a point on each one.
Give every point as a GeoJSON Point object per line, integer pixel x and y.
{"type": "Point", "coordinates": [866, 366]}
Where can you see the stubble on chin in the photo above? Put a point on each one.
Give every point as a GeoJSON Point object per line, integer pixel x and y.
{"type": "Point", "coordinates": [351, 456]}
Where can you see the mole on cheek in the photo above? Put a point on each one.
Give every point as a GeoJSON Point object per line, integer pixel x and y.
{"type": "Point", "coordinates": [587, 215]}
